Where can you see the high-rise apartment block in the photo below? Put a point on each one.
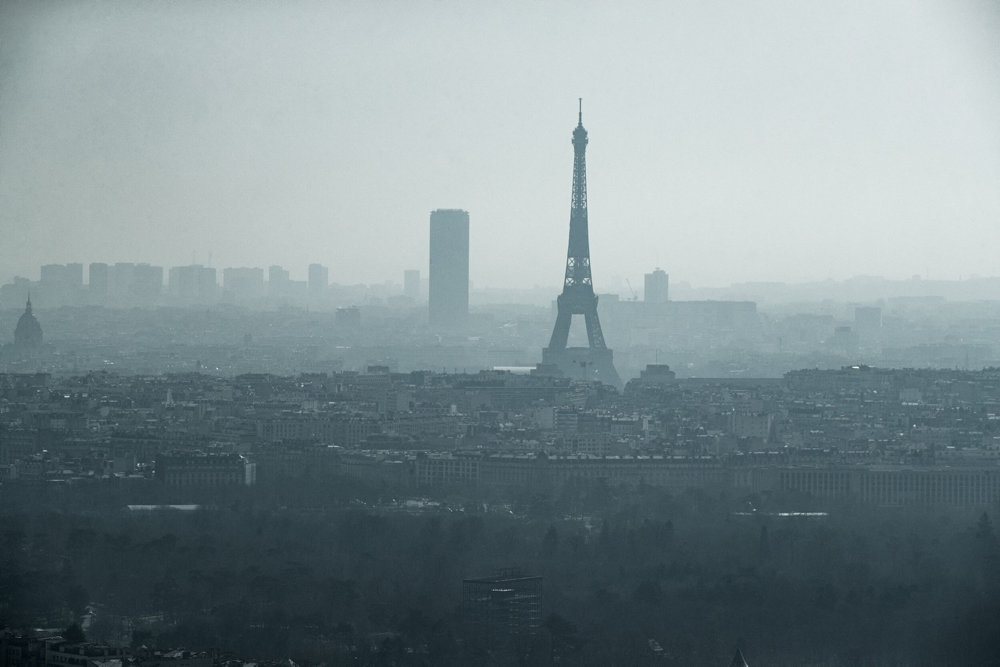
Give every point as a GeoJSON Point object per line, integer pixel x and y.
{"type": "Point", "coordinates": [276, 275]}
{"type": "Point", "coordinates": [97, 281]}
{"type": "Point", "coordinates": [448, 291]}
{"type": "Point", "coordinates": [147, 282]}
{"type": "Point", "coordinates": [319, 279]}
{"type": "Point", "coordinates": [242, 282]}
{"type": "Point", "coordinates": [656, 287]}
{"type": "Point", "coordinates": [120, 278]}
{"type": "Point", "coordinates": [193, 283]}
{"type": "Point", "coordinates": [503, 613]}
{"type": "Point", "coordinates": [74, 274]}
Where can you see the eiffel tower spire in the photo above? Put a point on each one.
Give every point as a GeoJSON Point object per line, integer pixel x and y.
{"type": "Point", "coordinates": [578, 298]}
{"type": "Point", "coordinates": [578, 255]}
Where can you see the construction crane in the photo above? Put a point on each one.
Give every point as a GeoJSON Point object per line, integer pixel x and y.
{"type": "Point", "coordinates": [635, 297]}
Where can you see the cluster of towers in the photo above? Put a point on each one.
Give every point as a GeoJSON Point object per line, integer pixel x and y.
{"type": "Point", "coordinates": [448, 282]}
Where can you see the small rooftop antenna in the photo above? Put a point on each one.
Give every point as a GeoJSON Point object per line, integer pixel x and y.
{"type": "Point", "coordinates": [581, 110]}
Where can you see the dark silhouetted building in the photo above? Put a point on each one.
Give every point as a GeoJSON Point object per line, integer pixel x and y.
{"type": "Point", "coordinates": [28, 333]}
{"type": "Point", "coordinates": [183, 468]}
{"type": "Point", "coordinates": [448, 291]}
{"type": "Point", "coordinates": [657, 374]}
{"type": "Point", "coordinates": [503, 612]}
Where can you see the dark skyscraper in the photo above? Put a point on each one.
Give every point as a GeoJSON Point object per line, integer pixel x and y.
{"type": "Point", "coordinates": [448, 290]}
{"type": "Point", "coordinates": [594, 362]}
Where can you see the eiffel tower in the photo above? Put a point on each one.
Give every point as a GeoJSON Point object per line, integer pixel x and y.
{"type": "Point", "coordinates": [594, 362]}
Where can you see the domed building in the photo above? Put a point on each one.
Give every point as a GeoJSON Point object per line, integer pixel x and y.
{"type": "Point", "coordinates": [28, 333]}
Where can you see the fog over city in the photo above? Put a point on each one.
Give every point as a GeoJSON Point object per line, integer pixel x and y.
{"type": "Point", "coordinates": [729, 142]}
{"type": "Point", "coordinates": [552, 333]}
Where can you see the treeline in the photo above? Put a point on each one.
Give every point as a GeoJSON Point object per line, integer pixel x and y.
{"type": "Point", "coordinates": [278, 573]}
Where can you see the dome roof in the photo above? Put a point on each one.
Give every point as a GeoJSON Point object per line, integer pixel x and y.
{"type": "Point", "coordinates": [28, 332]}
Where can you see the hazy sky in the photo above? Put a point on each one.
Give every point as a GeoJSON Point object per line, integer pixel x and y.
{"type": "Point", "coordinates": [729, 141]}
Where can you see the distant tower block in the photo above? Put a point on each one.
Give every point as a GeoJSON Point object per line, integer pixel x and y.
{"type": "Point", "coordinates": [319, 278]}
{"type": "Point", "coordinates": [448, 292]}
{"type": "Point", "coordinates": [596, 361]}
{"type": "Point", "coordinates": [193, 284]}
{"type": "Point", "coordinates": [411, 284]}
{"type": "Point", "coordinates": [868, 325]}
{"type": "Point", "coordinates": [657, 284]}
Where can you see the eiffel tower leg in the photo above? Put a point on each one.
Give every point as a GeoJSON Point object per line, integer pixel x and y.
{"type": "Point", "coordinates": [595, 337]}
{"type": "Point", "coordinates": [560, 333]}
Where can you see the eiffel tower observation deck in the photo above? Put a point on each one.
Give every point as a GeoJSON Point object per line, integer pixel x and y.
{"type": "Point", "coordinates": [594, 362]}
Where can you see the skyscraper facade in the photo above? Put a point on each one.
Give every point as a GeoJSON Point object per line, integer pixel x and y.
{"type": "Point", "coordinates": [448, 288]}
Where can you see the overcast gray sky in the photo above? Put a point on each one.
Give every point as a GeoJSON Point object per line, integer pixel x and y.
{"type": "Point", "coordinates": [729, 141]}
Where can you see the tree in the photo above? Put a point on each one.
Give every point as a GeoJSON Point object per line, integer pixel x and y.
{"type": "Point", "coordinates": [564, 636]}
{"type": "Point", "coordinates": [74, 634]}
{"type": "Point", "coordinates": [550, 542]}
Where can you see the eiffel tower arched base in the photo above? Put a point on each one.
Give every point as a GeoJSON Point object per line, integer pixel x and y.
{"type": "Point", "coordinates": [583, 363]}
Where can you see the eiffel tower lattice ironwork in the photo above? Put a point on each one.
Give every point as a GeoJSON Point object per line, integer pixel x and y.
{"type": "Point", "coordinates": [578, 298]}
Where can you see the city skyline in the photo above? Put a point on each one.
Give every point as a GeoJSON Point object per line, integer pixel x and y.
{"type": "Point", "coordinates": [735, 144]}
